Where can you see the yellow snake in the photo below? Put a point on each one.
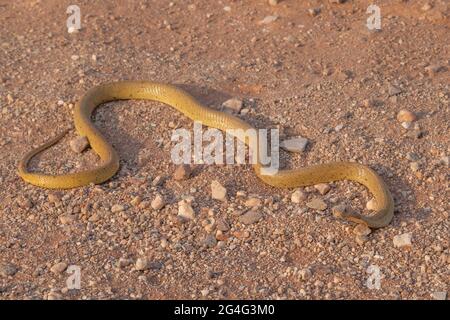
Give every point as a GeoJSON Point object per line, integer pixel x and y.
{"type": "Point", "coordinates": [187, 105]}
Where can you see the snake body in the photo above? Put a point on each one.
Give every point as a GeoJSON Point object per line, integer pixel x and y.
{"type": "Point", "coordinates": [186, 104]}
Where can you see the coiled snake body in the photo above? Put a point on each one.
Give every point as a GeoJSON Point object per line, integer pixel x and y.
{"type": "Point", "coordinates": [187, 105]}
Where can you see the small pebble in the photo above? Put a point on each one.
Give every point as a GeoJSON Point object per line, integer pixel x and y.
{"type": "Point", "coordinates": [362, 230]}
{"type": "Point", "coordinates": [439, 295]}
{"type": "Point", "coordinates": [297, 144]}
{"type": "Point", "coordinates": [182, 172]}
{"type": "Point", "coordinates": [253, 202]}
{"type": "Point", "coordinates": [72, 29]}
{"type": "Point", "coordinates": [79, 144]}
{"type": "Point", "coordinates": [317, 204]}
{"type": "Point", "coordinates": [218, 191]}
{"type": "Point", "coordinates": [298, 196]}
{"type": "Point", "coordinates": [59, 267]}
{"type": "Point", "coordinates": [402, 240]}
{"type": "Point", "coordinates": [393, 90]}
{"type": "Point", "coordinates": [268, 19]}
{"type": "Point", "coordinates": [185, 210]}
{"type": "Point", "coordinates": [250, 217]}
{"type": "Point", "coordinates": [117, 208]}
{"type": "Point", "coordinates": [371, 204]}
{"type": "Point", "coordinates": [406, 116]}
{"type": "Point", "coordinates": [158, 203]}
{"type": "Point", "coordinates": [233, 105]}
{"type": "Point", "coordinates": [142, 264]}
{"type": "Point", "coordinates": [323, 188]}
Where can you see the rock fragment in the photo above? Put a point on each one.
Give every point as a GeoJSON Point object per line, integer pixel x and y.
{"type": "Point", "coordinates": [58, 267]}
{"type": "Point", "coordinates": [79, 144]}
{"type": "Point", "coordinates": [158, 203]}
{"type": "Point", "coordinates": [250, 217]}
{"type": "Point", "coordinates": [298, 196]}
{"type": "Point", "coordinates": [402, 240]}
{"type": "Point", "coordinates": [297, 144]}
{"type": "Point", "coordinates": [182, 172]}
{"type": "Point", "coordinates": [185, 210]}
{"type": "Point", "coordinates": [218, 191]}
{"type": "Point", "coordinates": [317, 204]}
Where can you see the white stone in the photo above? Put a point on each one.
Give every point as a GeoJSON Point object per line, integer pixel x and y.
{"type": "Point", "coordinates": [323, 188]}
{"type": "Point", "coordinates": [371, 205]}
{"type": "Point", "coordinates": [158, 203]}
{"type": "Point", "coordinates": [185, 210]}
{"type": "Point", "coordinates": [117, 208]}
{"type": "Point", "coordinates": [402, 240]}
{"type": "Point", "coordinates": [298, 196]}
{"type": "Point", "coordinates": [218, 191]}
{"type": "Point", "coordinates": [268, 19]}
{"type": "Point", "coordinates": [141, 264]}
{"type": "Point", "coordinates": [234, 105]}
{"type": "Point", "coordinates": [297, 144]}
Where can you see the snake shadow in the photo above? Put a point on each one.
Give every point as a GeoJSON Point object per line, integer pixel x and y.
{"type": "Point", "coordinates": [110, 120]}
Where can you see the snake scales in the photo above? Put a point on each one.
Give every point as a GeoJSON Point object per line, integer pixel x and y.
{"type": "Point", "coordinates": [187, 105]}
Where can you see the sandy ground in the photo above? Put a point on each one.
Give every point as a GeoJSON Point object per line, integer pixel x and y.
{"type": "Point", "coordinates": [322, 76]}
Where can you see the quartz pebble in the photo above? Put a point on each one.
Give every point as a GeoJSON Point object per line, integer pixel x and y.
{"type": "Point", "coordinates": [117, 208]}
{"type": "Point", "coordinates": [298, 196]}
{"type": "Point", "coordinates": [402, 240]}
{"type": "Point", "coordinates": [141, 264]}
{"type": "Point", "coordinates": [297, 144]}
{"type": "Point", "coordinates": [323, 188]}
{"type": "Point", "coordinates": [253, 202]}
{"type": "Point", "coordinates": [371, 204]}
{"type": "Point", "coordinates": [233, 105]}
{"type": "Point", "coordinates": [268, 19]}
{"type": "Point", "coordinates": [218, 191]}
{"type": "Point", "coordinates": [158, 203]}
{"type": "Point", "coordinates": [185, 210]}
